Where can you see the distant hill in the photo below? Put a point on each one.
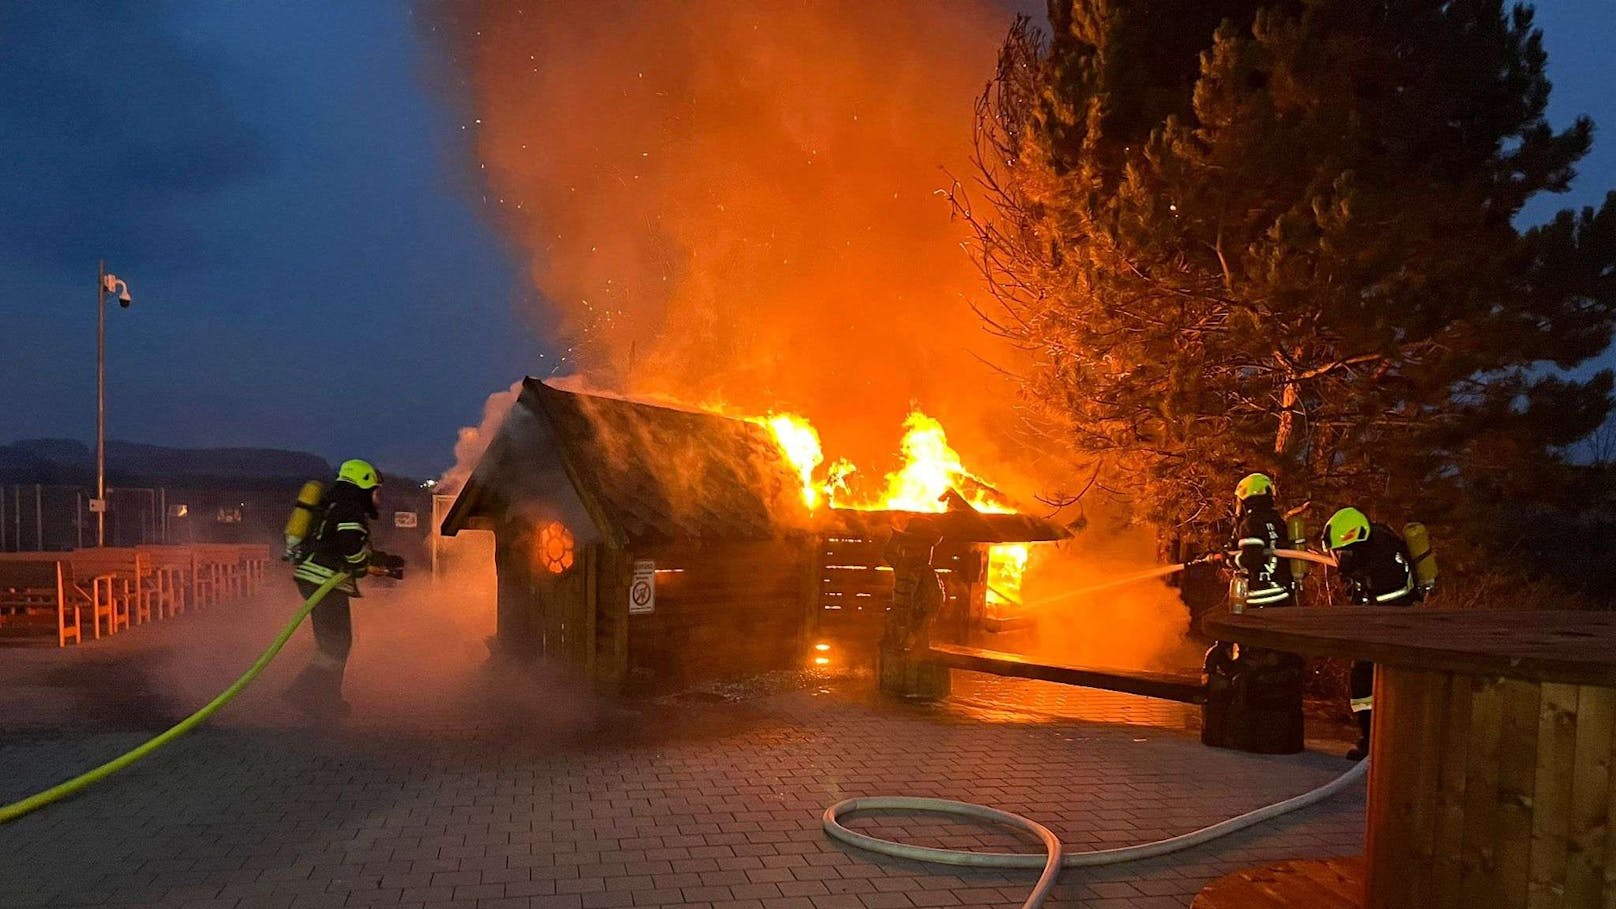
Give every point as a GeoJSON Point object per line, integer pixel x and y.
{"type": "Point", "coordinates": [66, 461]}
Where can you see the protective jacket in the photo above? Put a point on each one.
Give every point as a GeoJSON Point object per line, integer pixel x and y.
{"type": "Point", "coordinates": [340, 539]}
{"type": "Point", "coordinates": [1258, 532]}
{"type": "Point", "coordinates": [1378, 571]}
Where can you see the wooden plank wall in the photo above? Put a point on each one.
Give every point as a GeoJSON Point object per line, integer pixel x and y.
{"type": "Point", "coordinates": [612, 575]}
{"type": "Point", "coordinates": [723, 611]}
{"type": "Point", "coordinates": [1497, 792]}
{"type": "Point", "coordinates": [855, 589]}
{"type": "Point", "coordinates": [518, 625]}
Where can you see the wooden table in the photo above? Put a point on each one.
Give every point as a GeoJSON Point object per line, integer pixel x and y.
{"type": "Point", "coordinates": [1490, 776]}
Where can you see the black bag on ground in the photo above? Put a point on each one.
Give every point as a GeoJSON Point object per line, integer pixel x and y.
{"type": "Point", "coordinates": [1253, 700]}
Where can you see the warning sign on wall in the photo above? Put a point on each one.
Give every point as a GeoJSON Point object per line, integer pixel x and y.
{"type": "Point", "coordinates": [642, 589]}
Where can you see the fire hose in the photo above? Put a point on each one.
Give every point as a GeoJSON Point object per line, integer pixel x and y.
{"type": "Point", "coordinates": [1159, 572]}
{"type": "Point", "coordinates": [60, 791]}
{"type": "Point", "coordinates": [1055, 857]}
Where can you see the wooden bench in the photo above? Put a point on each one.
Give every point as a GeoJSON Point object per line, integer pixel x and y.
{"type": "Point", "coordinates": [170, 570]}
{"type": "Point", "coordinates": [93, 590]}
{"type": "Point", "coordinates": [1184, 688]}
{"type": "Point", "coordinates": [255, 559]}
{"type": "Point", "coordinates": [208, 574]}
{"type": "Point", "coordinates": [38, 596]}
{"type": "Point", "coordinates": [121, 578]}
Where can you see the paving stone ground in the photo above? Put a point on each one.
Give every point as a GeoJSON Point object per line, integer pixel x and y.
{"type": "Point", "coordinates": [472, 787]}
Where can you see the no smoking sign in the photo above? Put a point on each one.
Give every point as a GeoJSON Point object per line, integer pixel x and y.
{"type": "Point", "coordinates": [642, 589]}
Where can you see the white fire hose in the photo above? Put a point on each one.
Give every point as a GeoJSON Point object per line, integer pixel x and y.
{"type": "Point", "coordinates": [1054, 857]}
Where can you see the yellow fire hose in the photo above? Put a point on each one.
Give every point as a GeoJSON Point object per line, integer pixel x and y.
{"type": "Point", "coordinates": [39, 800]}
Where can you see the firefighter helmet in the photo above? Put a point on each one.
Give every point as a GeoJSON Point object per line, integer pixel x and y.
{"type": "Point", "coordinates": [1345, 527]}
{"type": "Point", "coordinates": [1256, 484]}
{"type": "Point", "coordinates": [360, 474]}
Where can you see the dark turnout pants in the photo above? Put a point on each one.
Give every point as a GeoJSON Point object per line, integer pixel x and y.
{"type": "Point", "coordinates": [333, 638]}
{"type": "Point", "coordinates": [1361, 689]}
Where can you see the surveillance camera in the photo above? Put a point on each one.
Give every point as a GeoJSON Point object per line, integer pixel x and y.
{"type": "Point", "coordinates": [124, 299]}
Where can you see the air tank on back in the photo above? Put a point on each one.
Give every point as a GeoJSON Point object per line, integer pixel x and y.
{"type": "Point", "coordinates": [1419, 550]}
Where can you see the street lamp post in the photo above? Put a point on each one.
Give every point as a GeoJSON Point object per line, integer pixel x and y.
{"type": "Point", "coordinates": [105, 283]}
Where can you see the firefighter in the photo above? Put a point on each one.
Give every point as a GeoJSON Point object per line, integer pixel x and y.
{"type": "Point", "coordinates": [338, 542]}
{"type": "Point", "coordinates": [1374, 565]}
{"type": "Point", "coordinates": [1254, 695]}
{"type": "Point", "coordinates": [1259, 530]}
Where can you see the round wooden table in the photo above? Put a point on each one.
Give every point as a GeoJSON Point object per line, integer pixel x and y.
{"type": "Point", "coordinates": [1490, 777]}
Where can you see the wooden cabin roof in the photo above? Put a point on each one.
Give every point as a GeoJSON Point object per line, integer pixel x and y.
{"type": "Point", "coordinates": [648, 474]}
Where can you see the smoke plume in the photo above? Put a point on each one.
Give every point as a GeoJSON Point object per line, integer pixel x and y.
{"type": "Point", "coordinates": [739, 201]}
{"type": "Point", "coordinates": [473, 441]}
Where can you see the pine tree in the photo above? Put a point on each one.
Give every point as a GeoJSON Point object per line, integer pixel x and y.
{"type": "Point", "coordinates": [1245, 236]}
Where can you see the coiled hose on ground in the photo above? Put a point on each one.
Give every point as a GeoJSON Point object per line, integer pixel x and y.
{"type": "Point", "coordinates": [40, 799]}
{"type": "Point", "coordinates": [1054, 857]}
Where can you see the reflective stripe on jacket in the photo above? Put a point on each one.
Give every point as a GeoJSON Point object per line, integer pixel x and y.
{"type": "Point", "coordinates": [340, 540]}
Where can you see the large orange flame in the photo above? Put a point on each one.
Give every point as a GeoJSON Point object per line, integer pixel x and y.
{"type": "Point", "coordinates": [930, 469]}
{"type": "Point", "coordinates": [799, 442]}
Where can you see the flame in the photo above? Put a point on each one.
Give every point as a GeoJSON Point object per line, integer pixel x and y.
{"type": "Point", "coordinates": [1007, 565]}
{"type": "Point", "coordinates": [799, 442]}
{"type": "Point", "coordinates": [930, 468]}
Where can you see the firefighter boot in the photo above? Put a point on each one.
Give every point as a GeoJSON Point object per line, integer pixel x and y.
{"type": "Point", "coordinates": [1361, 750]}
{"type": "Point", "coordinates": [317, 692]}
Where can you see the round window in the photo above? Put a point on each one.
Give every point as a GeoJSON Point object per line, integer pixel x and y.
{"type": "Point", "coordinates": [556, 547]}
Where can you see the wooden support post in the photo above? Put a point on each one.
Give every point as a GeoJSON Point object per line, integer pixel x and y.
{"type": "Point", "coordinates": [908, 674]}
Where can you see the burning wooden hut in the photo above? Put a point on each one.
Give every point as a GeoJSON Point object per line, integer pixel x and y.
{"type": "Point", "coordinates": [633, 539]}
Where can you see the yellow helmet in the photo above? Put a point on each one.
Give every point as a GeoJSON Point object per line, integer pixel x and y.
{"type": "Point", "coordinates": [1345, 527]}
{"type": "Point", "coordinates": [359, 473]}
{"type": "Point", "coordinates": [1256, 484]}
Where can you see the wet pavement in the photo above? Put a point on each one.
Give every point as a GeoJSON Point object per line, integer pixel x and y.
{"type": "Point", "coordinates": [457, 784]}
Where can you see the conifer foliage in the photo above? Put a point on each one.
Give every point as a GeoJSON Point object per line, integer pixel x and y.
{"type": "Point", "coordinates": [1281, 236]}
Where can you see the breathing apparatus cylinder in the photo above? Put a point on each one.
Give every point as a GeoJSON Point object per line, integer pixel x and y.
{"type": "Point", "coordinates": [302, 516]}
{"type": "Point", "coordinates": [1296, 526]}
{"type": "Point", "coordinates": [1237, 593]}
{"type": "Point", "coordinates": [1419, 549]}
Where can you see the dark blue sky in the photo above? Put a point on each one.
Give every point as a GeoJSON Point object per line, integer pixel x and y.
{"type": "Point", "coordinates": [293, 208]}
{"type": "Point", "coordinates": [287, 190]}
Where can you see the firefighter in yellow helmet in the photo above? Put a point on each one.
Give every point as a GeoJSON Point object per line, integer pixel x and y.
{"type": "Point", "coordinates": [338, 542]}
{"type": "Point", "coordinates": [1254, 695]}
{"type": "Point", "coordinates": [1259, 530]}
{"type": "Point", "coordinates": [1374, 565]}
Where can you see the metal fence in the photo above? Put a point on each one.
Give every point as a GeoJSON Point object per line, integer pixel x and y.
{"type": "Point", "coordinates": [40, 517]}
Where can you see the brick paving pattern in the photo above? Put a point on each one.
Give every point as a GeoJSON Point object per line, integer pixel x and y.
{"type": "Point", "coordinates": [674, 802]}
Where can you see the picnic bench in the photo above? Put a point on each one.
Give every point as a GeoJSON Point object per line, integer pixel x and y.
{"type": "Point", "coordinates": [1490, 778]}
{"type": "Point", "coordinates": [117, 586]}
{"type": "Point", "coordinates": [255, 561]}
{"type": "Point", "coordinates": [121, 577]}
{"type": "Point", "coordinates": [1182, 687]}
{"type": "Point", "coordinates": [39, 595]}
{"type": "Point", "coordinates": [170, 569]}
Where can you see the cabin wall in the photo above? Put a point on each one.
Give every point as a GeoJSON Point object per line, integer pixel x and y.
{"type": "Point", "coordinates": [614, 572]}
{"type": "Point", "coordinates": [722, 611]}
{"type": "Point", "coordinates": [540, 613]}
{"type": "Point", "coordinates": [854, 590]}
{"type": "Point", "coordinates": [516, 624]}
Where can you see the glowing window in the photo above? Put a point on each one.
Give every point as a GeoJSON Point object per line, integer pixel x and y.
{"type": "Point", "coordinates": [556, 547]}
